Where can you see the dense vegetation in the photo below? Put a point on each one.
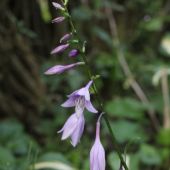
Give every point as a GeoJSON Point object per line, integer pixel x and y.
{"type": "Point", "coordinates": [128, 45]}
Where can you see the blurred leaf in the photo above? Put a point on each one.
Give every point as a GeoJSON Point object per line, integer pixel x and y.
{"type": "Point", "coordinates": [114, 161]}
{"type": "Point", "coordinates": [20, 144]}
{"type": "Point", "coordinates": [134, 162]}
{"type": "Point", "coordinates": [103, 35]}
{"type": "Point", "coordinates": [9, 129]}
{"type": "Point", "coordinates": [113, 5]}
{"type": "Point", "coordinates": [149, 155]}
{"type": "Point", "coordinates": [163, 137]}
{"type": "Point", "coordinates": [53, 156]}
{"type": "Point", "coordinates": [45, 12]}
{"type": "Point", "coordinates": [126, 107]}
{"type": "Point", "coordinates": [78, 79]}
{"type": "Point", "coordinates": [7, 160]}
{"type": "Point", "coordinates": [154, 24]}
{"type": "Point", "coordinates": [104, 60]}
{"type": "Point", "coordinates": [126, 130]}
{"type": "Point", "coordinates": [82, 13]}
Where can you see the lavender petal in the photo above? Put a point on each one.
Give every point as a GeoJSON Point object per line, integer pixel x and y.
{"type": "Point", "coordinates": [70, 102]}
{"type": "Point", "coordinates": [90, 107]}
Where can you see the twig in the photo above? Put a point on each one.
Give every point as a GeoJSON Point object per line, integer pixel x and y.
{"type": "Point", "coordinates": [165, 92]}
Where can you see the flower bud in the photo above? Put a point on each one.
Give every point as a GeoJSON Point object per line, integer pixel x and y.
{"type": "Point", "coordinates": [58, 69]}
{"type": "Point", "coordinates": [58, 19]}
{"type": "Point", "coordinates": [73, 53]}
{"type": "Point", "coordinates": [60, 49]}
{"type": "Point", "coordinates": [65, 37]}
{"type": "Point", "coordinates": [57, 6]}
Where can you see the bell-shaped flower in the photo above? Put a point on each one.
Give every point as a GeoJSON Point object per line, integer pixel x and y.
{"type": "Point", "coordinates": [80, 99]}
{"type": "Point", "coordinates": [60, 49]}
{"type": "Point", "coordinates": [58, 69]}
{"type": "Point", "coordinates": [73, 128]}
{"type": "Point", "coordinates": [97, 153]}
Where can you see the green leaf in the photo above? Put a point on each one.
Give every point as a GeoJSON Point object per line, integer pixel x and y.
{"type": "Point", "coordinates": [53, 156]}
{"type": "Point", "coordinates": [126, 130]}
{"type": "Point", "coordinates": [149, 155]}
{"type": "Point", "coordinates": [82, 14]}
{"type": "Point", "coordinates": [9, 129]}
{"type": "Point", "coordinates": [126, 108]}
{"type": "Point", "coordinates": [7, 160]}
{"type": "Point", "coordinates": [103, 35]}
{"type": "Point", "coordinates": [154, 24]}
{"type": "Point", "coordinates": [163, 137]}
{"type": "Point", "coordinates": [134, 162]}
{"type": "Point", "coordinates": [114, 161]}
{"type": "Point", "coordinates": [45, 12]}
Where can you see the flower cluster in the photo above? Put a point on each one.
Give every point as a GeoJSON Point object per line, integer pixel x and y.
{"type": "Point", "coordinates": [79, 99]}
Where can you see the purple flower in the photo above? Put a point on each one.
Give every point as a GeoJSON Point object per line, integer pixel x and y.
{"type": "Point", "coordinates": [58, 19]}
{"type": "Point", "coordinates": [73, 128]}
{"type": "Point", "coordinates": [73, 53]}
{"type": "Point", "coordinates": [97, 153]}
{"type": "Point", "coordinates": [57, 6]}
{"type": "Point", "coordinates": [80, 99]}
{"type": "Point", "coordinates": [58, 69]}
{"type": "Point", "coordinates": [65, 37]}
{"type": "Point", "coordinates": [60, 49]}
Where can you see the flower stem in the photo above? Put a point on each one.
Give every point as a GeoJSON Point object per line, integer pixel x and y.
{"type": "Point", "coordinates": [97, 95]}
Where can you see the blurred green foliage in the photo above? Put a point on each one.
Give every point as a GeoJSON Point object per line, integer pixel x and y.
{"type": "Point", "coordinates": [143, 28]}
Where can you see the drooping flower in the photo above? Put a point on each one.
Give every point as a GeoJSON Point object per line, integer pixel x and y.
{"type": "Point", "coordinates": [65, 37]}
{"type": "Point", "coordinates": [73, 128]}
{"type": "Point", "coordinates": [58, 20]}
{"type": "Point", "coordinates": [80, 99]}
{"type": "Point", "coordinates": [57, 6]}
{"type": "Point", "coordinates": [73, 53]}
{"type": "Point", "coordinates": [97, 153]}
{"type": "Point", "coordinates": [59, 48]}
{"type": "Point", "coordinates": [58, 69]}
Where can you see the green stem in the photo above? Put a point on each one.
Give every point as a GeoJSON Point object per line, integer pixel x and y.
{"type": "Point", "coordinates": [98, 97]}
